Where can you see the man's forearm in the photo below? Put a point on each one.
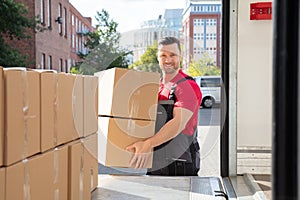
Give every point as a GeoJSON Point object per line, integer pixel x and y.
{"type": "Point", "coordinates": [166, 133]}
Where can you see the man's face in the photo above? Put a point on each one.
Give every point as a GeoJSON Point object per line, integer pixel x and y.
{"type": "Point", "coordinates": [168, 58]}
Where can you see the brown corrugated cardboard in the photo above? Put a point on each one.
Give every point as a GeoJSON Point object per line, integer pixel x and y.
{"type": "Point", "coordinates": [1, 115]}
{"type": "Point", "coordinates": [128, 93]}
{"type": "Point", "coordinates": [90, 108]}
{"type": "Point", "coordinates": [49, 87]}
{"type": "Point", "coordinates": [91, 160]}
{"type": "Point", "coordinates": [44, 176]}
{"type": "Point", "coordinates": [2, 183]}
{"type": "Point", "coordinates": [61, 172]}
{"type": "Point", "coordinates": [22, 114]}
{"type": "Point", "coordinates": [49, 175]}
{"type": "Point", "coordinates": [115, 134]}
{"type": "Point", "coordinates": [77, 106]}
{"type": "Point", "coordinates": [69, 107]}
{"type": "Point", "coordinates": [79, 184]}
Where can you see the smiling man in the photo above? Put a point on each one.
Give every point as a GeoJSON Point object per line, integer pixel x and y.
{"type": "Point", "coordinates": [176, 150]}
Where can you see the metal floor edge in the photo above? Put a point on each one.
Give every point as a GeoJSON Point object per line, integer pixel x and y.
{"type": "Point", "coordinates": [143, 187]}
{"type": "Point", "coordinates": [243, 187]}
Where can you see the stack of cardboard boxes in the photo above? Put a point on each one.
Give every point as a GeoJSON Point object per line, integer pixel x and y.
{"type": "Point", "coordinates": [48, 135]}
{"type": "Point", "coordinates": [127, 111]}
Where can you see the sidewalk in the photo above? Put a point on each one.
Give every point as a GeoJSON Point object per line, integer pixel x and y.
{"type": "Point", "coordinates": [209, 139]}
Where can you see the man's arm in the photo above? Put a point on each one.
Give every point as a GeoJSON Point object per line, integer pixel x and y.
{"type": "Point", "coordinates": [170, 130]}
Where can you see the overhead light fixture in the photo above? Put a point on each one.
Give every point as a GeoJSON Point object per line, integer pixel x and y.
{"type": "Point", "coordinates": [59, 20]}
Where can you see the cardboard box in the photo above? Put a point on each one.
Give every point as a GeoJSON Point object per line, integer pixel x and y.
{"type": "Point", "coordinates": [79, 184]}
{"type": "Point", "coordinates": [69, 107]}
{"type": "Point", "coordinates": [128, 93]}
{"type": "Point", "coordinates": [44, 176]}
{"type": "Point", "coordinates": [115, 134]}
{"type": "Point", "coordinates": [49, 101]}
{"type": "Point", "coordinates": [91, 160]}
{"type": "Point", "coordinates": [2, 183]}
{"type": "Point", "coordinates": [22, 114]}
{"type": "Point", "coordinates": [90, 108]}
{"type": "Point", "coordinates": [1, 116]}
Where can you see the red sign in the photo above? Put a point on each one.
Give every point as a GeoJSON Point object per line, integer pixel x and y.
{"type": "Point", "coordinates": [261, 11]}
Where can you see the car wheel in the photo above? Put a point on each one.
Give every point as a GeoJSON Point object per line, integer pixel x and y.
{"type": "Point", "coordinates": [207, 102]}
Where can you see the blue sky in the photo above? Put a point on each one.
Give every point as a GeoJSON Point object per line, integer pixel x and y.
{"type": "Point", "coordinates": [127, 13]}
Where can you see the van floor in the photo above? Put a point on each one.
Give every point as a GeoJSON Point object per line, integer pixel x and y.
{"type": "Point", "coordinates": [143, 187]}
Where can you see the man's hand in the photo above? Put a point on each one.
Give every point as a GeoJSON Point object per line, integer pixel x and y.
{"type": "Point", "coordinates": [142, 152]}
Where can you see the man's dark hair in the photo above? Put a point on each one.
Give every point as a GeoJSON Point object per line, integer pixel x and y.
{"type": "Point", "coordinates": [169, 40]}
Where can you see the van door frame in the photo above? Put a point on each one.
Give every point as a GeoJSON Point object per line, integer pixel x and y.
{"type": "Point", "coordinates": [228, 148]}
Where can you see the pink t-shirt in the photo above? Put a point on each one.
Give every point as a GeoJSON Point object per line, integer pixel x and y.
{"type": "Point", "coordinates": [188, 96]}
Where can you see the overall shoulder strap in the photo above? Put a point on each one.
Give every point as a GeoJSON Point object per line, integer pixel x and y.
{"type": "Point", "coordinates": [173, 87]}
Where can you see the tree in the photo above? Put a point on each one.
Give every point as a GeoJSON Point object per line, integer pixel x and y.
{"type": "Point", "coordinates": [14, 25]}
{"type": "Point", "coordinates": [103, 45]}
{"type": "Point", "coordinates": [203, 67]}
{"type": "Point", "coordinates": [148, 61]}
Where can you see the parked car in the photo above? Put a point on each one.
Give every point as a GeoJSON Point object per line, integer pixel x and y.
{"type": "Point", "coordinates": [211, 90]}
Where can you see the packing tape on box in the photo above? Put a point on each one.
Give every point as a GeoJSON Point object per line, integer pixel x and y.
{"type": "Point", "coordinates": [56, 174]}
{"type": "Point", "coordinates": [92, 178]}
{"type": "Point", "coordinates": [133, 105]}
{"type": "Point", "coordinates": [25, 112]}
{"type": "Point", "coordinates": [55, 137]}
{"type": "Point", "coordinates": [26, 185]}
{"type": "Point", "coordinates": [55, 165]}
{"type": "Point", "coordinates": [56, 194]}
{"type": "Point", "coordinates": [131, 127]}
{"type": "Point", "coordinates": [81, 176]}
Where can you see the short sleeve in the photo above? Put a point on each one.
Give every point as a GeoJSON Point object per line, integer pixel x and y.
{"type": "Point", "coordinates": [188, 95]}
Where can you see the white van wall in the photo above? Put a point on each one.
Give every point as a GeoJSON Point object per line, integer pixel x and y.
{"type": "Point", "coordinates": [254, 81]}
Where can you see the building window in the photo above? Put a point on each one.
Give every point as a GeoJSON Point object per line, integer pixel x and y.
{"type": "Point", "coordinates": [49, 62]}
{"type": "Point", "coordinates": [73, 40]}
{"type": "Point", "coordinates": [42, 12]}
{"type": "Point", "coordinates": [60, 65]}
{"type": "Point", "coordinates": [76, 24]}
{"type": "Point", "coordinates": [49, 12]}
{"type": "Point", "coordinates": [60, 15]}
{"type": "Point", "coordinates": [65, 23]}
{"type": "Point", "coordinates": [79, 26]}
{"type": "Point", "coordinates": [72, 20]}
{"type": "Point", "coordinates": [65, 66]}
{"type": "Point", "coordinates": [43, 61]}
{"type": "Point", "coordinates": [76, 42]}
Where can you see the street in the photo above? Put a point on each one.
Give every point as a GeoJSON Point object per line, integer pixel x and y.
{"type": "Point", "coordinates": [209, 117]}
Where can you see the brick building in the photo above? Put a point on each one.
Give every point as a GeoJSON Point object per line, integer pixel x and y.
{"type": "Point", "coordinates": [57, 47]}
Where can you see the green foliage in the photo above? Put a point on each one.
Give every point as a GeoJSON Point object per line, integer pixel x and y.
{"type": "Point", "coordinates": [10, 57]}
{"type": "Point", "coordinates": [148, 61]}
{"type": "Point", "coordinates": [103, 44]}
{"type": "Point", "coordinates": [203, 67]}
{"type": "Point", "coordinates": [75, 70]}
{"type": "Point", "coordinates": [14, 24]}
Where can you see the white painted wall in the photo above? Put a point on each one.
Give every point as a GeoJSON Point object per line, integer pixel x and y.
{"type": "Point", "coordinates": [254, 79]}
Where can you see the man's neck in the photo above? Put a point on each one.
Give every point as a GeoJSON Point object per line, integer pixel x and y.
{"type": "Point", "coordinates": [169, 77]}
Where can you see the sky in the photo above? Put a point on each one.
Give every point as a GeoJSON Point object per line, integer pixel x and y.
{"type": "Point", "coordinates": [129, 14]}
